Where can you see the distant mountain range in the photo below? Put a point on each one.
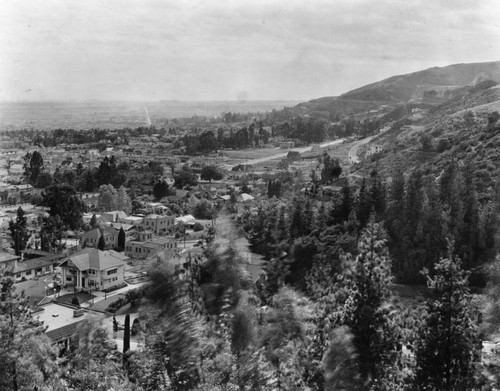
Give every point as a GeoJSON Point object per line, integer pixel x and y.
{"type": "Point", "coordinates": [432, 86]}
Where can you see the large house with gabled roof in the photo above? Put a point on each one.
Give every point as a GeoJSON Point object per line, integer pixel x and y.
{"type": "Point", "coordinates": [91, 238]}
{"type": "Point", "coordinates": [93, 269]}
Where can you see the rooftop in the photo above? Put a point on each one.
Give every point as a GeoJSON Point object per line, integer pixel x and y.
{"type": "Point", "coordinates": [91, 258]}
{"type": "Point", "coordinates": [36, 263]}
{"type": "Point", "coordinates": [60, 321]}
{"type": "Point", "coordinates": [6, 257]}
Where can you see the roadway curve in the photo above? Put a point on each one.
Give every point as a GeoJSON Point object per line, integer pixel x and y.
{"type": "Point", "coordinates": [353, 152]}
{"type": "Point", "coordinates": [284, 154]}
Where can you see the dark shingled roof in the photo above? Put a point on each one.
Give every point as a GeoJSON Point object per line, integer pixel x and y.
{"type": "Point", "coordinates": [63, 333]}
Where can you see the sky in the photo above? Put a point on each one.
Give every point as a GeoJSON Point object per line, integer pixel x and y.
{"type": "Point", "coordinates": [149, 50]}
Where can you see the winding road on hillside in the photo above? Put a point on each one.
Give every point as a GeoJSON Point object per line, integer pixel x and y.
{"type": "Point", "coordinates": [281, 155]}
{"type": "Point", "coordinates": [353, 152]}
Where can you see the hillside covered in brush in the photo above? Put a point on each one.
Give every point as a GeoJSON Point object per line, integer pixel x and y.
{"type": "Point", "coordinates": [432, 86]}
{"type": "Point", "coordinates": [464, 129]}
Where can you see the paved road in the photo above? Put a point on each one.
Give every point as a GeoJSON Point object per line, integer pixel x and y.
{"type": "Point", "coordinates": [281, 155]}
{"type": "Point", "coordinates": [353, 152]}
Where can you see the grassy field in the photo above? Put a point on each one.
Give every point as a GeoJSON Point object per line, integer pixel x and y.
{"type": "Point", "coordinates": [253, 153]}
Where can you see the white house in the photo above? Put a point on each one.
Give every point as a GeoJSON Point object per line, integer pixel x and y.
{"type": "Point", "coordinates": [93, 269]}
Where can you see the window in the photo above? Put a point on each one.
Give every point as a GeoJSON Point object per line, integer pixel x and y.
{"type": "Point", "coordinates": [68, 278]}
{"type": "Point", "coordinates": [112, 271]}
{"type": "Point", "coordinates": [92, 271]}
{"type": "Point", "coordinates": [28, 272]}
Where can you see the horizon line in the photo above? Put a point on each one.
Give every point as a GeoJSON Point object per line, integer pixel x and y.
{"type": "Point", "coordinates": [149, 101]}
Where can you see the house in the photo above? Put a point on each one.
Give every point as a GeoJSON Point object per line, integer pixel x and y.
{"type": "Point", "coordinates": [8, 261]}
{"type": "Point", "coordinates": [87, 217]}
{"type": "Point", "coordinates": [136, 221]}
{"type": "Point", "coordinates": [146, 246]}
{"type": "Point", "coordinates": [62, 322]}
{"type": "Point", "coordinates": [127, 228]}
{"type": "Point", "coordinates": [16, 170]}
{"type": "Point", "coordinates": [244, 197]}
{"type": "Point", "coordinates": [93, 269]}
{"type": "Point", "coordinates": [91, 238]}
{"type": "Point", "coordinates": [35, 263]}
{"type": "Point", "coordinates": [186, 219]}
{"type": "Point", "coordinates": [374, 148]}
{"type": "Point", "coordinates": [159, 224]}
{"type": "Point", "coordinates": [113, 216]}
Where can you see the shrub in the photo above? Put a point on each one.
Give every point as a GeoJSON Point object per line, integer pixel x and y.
{"type": "Point", "coordinates": [115, 287]}
{"type": "Point", "coordinates": [443, 145]}
{"type": "Point", "coordinates": [116, 305]}
{"type": "Point", "coordinates": [75, 301]}
{"type": "Point", "coordinates": [133, 297]}
{"type": "Point", "coordinates": [197, 227]}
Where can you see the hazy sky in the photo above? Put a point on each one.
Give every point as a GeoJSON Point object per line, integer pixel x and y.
{"type": "Point", "coordinates": [228, 50]}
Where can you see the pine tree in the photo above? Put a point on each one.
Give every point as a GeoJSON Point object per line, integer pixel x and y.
{"type": "Point", "coordinates": [343, 211]}
{"type": "Point", "coordinates": [363, 205]}
{"type": "Point", "coordinates": [19, 231]}
{"type": "Point", "coordinates": [296, 224]}
{"type": "Point", "coordinates": [339, 363]}
{"type": "Point", "coordinates": [365, 283]}
{"type": "Point", "coordinates": [377, 194]}
{"type": "Point", "coordinates": [448, 347]}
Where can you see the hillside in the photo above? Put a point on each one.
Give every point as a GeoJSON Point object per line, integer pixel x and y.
{"type": "Point", "coordinates": [462, 128]}
{"type": "Point", "coordinates": [431, 86]}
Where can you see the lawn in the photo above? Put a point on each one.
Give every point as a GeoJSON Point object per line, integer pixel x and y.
{"type": "Point", "coordinates": [82, 297]}
{"type": "Point", "coordinates": [103, 304]}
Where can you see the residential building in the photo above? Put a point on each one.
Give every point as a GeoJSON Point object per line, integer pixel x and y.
{"type": "Point", "coordinates": [91, 238]}
{"type": "Point", "coordinates": [146, 246]}
{"type": "Point", "coordinates": [373, 148]}
{"type": "Point", "coordinates": [159, 224]}
{"type": "Point", "coordinates": [93, 269]}
{"type": "Point", "coordinates": [8, 261]}
{"type": "Point", "coordinates": [62, 321]}
{"type": "Point", "coordinates": [136, 221]}
{"type": "Point", "coordinates": [113, 216]}
{"type": "Point", "coordinates": [35, 263]}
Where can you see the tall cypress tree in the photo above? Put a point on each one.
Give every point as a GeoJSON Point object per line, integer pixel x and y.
{"type": "Point", "coordinates": [101, 244]}
{"type": "Point", "coordinates": [121, 239]}
{"type": "Point", "coordinates": [126, 334]}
